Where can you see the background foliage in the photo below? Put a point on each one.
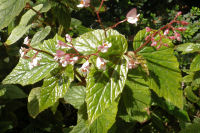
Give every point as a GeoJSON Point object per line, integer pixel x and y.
{"type": "Point", "coordinates": [51, 17]}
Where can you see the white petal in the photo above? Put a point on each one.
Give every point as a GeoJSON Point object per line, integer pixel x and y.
{"type": "Point", "coordinates": [80, 5]}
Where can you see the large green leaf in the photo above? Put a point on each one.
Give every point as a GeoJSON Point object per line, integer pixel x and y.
{"type": "Point", "coordinates": [136, 97]}
{"type": "Point", "coordinates": [23, 26]}
{"type": "Point", "coordinates": [88, 42]}
{"type": "Point", "coordinates": [55, 87]}
{"type": "Point", "coordinates": [193, 128]}
{"type": "Point", "coordinates": [165, 74]}
{"type": "Point", "coordinates": [33, 102]}
{"type": "Point", "coordinates": [11, 92]}
{"type": "Point", "coordinates": [22, 74]}
{"type": "Point", "coordinates": [195, 65]}
{"type": "Point", "coordinates": [188, 48]}
{"type": "Point", "coordinates": [75, 96]}
{"type": "Point", "coordinates": [103, 87]}
{"type": "Point", "coordinates": [40, 35]}
{"type": "Point", "coordinates": [9, 9]}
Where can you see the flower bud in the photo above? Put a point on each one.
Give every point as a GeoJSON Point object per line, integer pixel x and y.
{"type": "Point", "coordinates": [68, 38]}
{"type": "Point", "coordinates": [85, 67]}
{"type": "Point", "coordinates": [154, 43]}
{"type": "Point", "coordinates": [26, 41]}
{"type": "Point", "coordinates": [184, 23]}
{"type": "Point", "coordinates": [181, 28]}
{"type": "Point", "coordinates": [101, 64]}
{"type": "Point", "coordinates": [179, 13]}
{"type": "Point", "coordinates": [166, 32]}
{"type": "Point", "coordinates": [172, 37]}
{"type": "Point", "coordinates": [148, 29]}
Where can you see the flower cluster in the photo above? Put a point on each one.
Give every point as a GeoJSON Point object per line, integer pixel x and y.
{"type": "Point", "coordinates": [174, 35]}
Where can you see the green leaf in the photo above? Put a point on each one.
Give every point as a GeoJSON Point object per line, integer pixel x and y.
{"type": "Point", "coordinates": [89, 42]}
{"type": "Point", "coordinates": [188, 48]}
{"type": "Point", "coordinates": [139, 38]}
{"type": "Point", "coordinates": [23, 75]}
{"type": "Point", "coordinates": [193, 128]}
{"type": "Point", "coordinates": [40, 35]}
{"type": "Point", "coordinates": [136, 97]}
{"type": "Point", "coordinates": [33, 102]}
{"type": "Point", "coordinates": [195, 65]}
{"type": "Point", "coordinates": [165, 76]}
{"type": "Point", "coordinates": [22, 28]}
{"type": "Point", "coordinates": [11, 92]}
{"type": "Point", "coordinates": [119, 47]}
{"type": "Point", "coordinates": [191, 95]}
{"type": "Point", "coordinates": [75, 96]}
{"type": "Point", "coordinates": [105, 121]}
{"type": "Point", "coordinates": [55, 87]}
{"type": "Point", "coordinates": [9, 9]}
{"type": "Point", "coordinates": [103, 87]}
{"type": "Point", "coordinates": [17, 33]}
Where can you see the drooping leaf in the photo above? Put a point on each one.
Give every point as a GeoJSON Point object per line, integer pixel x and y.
{"type": "Point", "coordinates": [136, 97]}
{"type": "Point", "coordinates": [191, 95]}
{"type": "Point", "coordinates": [103, 87]}
{"type": "Point", "coordinates": [23, 75]}
{"type": "Point", "coordinates": [33, 102]}
{"type": "Point", "coordinates": [188, 48]}
{"type": "Point", "coordinates": [9, 9]}
{"type": "Point", "coordinates": [40, 35]}
{"type": "Point", "coordinates": [75, 96]}
{"type": "Point", "coordinates": [55, 87]}
{"type": "Point", "coordinates": [195, 65]}
{"type": "Point", "coordinates": [23, 26]}
{"type": "Point", "coordinates": [88, 42]}
{"type": "Point", "coordinates": [11, 92]}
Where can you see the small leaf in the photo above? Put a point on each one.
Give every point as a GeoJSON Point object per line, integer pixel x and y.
{"type": "Point", "coordinates": [33, 102]}
{"type": "Point", "coordinates": [188, 48]}
{"type": "Point", "coordinates": [11, 92]}
{"type": "Point", "coordinates": [9, 9]}
{"type": "Point", "coordinates": [195, 65]}
{"type": "Point", "coordinates": [89, 42]}
{"type": "Point", "coordinates": [22, 28]}
{"type": "Point", "coordinates": [103, 87]}
{"type": "Point", "coordinates": [191, 95]}
{"type": "Point", "coordinates": [40, 35]}
{"type": "Point", "coordinates": [136, 96]}
{"type": "Point", "coordinates": [55, 87]}
{"type": "Point", "coordinates": [75, 96]}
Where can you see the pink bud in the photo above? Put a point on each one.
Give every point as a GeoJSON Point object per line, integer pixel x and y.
{"type": "Point", "coordinates": [184, 23]}
{"type": "Point", "coordinates": [68, 38]}
{"type": "Point", "coordinates": [165, 44]}
{"type": "Point", "coordinates": [178, 36]}
{"type": "Point", "coordinates": [181, 28]}
{"type": "Point", "coordinates": [166, 32]}
{"type": "Point", "coordinates": [158, 47]}
{"type": "Point", "coordinates": [154, 43]}
{"type": "Point", "coordinates": [172, 37]}
{"type": "Point", "coordinates": [179, 13]}
{"type": "Point", "coordinates": [146, 38]}
{"type": "Point", "coordinates": [148, 29]}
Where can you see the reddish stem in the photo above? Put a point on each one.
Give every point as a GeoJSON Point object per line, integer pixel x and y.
{"type": "Point", "coordinates": [115, 25]}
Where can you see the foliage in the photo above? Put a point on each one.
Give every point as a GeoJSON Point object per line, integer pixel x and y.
{"type": "Point", "coordinates": [136, 72]}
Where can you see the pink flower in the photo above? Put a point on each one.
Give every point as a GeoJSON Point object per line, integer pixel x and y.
{"type": "Point", "coordinates": [132, 64]}
{"type": "Point", "coordinates": [23, 51]}
{"type": "Point", "coordinates": [26, 40]}
{"type": "Point", "coordinates": [178, 36]}
{"type": "Point", "coordinates": [179, 13]}
{"type": "Point", "coordinates": [166, 32]}
{"type": "Point", "coordinates": [104, 48]}
{"type": "Point", "coordinates": [73, 60]}
{"type": "Point", "coordinates": [148, 29]}
{"type": "Point", "coordinates": [101, 64]}
{"type": "Point", "coordinates": [59, 54]}
{"type": "Point", "coordinates": [61, 44]}
{"type": "Point", "coordinates": [172, 37]}
{"type": "Point", "coordinates": [84, 3]}
{"type": "Point", "coordinates": [68, 38]}
{"type": "Point", "coordinates": [85, 67]}
{"type": "Point", "coordinates": [65, 60]}
{"type": "Point", "coordinates": [34, 62]}
{"type": "Point", "coordinates": [132, 16]}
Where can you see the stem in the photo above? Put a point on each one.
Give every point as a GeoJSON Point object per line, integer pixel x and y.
{"type": "Point", "coordinates": [82, 78]}
{"type": "Point", "coordinates": [99, 19]}
{"type": "Point", "coordinates": [115, 25]}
